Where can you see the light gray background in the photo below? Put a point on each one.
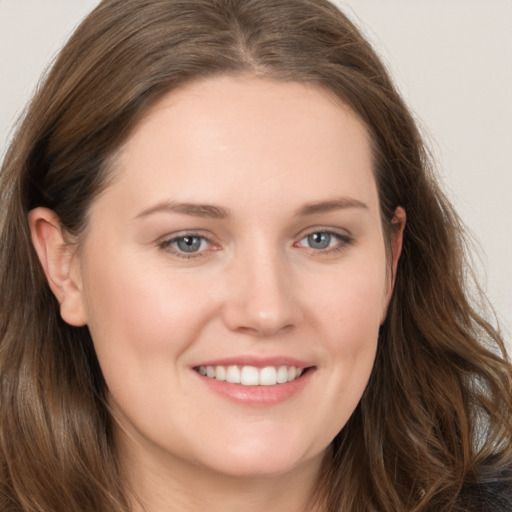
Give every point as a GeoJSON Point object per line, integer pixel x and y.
{"type": "Point", "coordinates": [452, 60]}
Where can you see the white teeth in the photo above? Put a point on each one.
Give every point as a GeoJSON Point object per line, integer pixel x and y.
{"type": "Point", "coordinates": [220, 373]}
{"type": "Point", "coordinates": [282, 375]}
{"type": "Point", "coordinates": [233, 375]}
{"type": "Point", "coordinates": [251, 375]}
{"type": "Point", "coordinates": [268, 376]}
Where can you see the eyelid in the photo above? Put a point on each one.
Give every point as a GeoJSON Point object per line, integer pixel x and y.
{"type": "Point", "coordinates": [165, 243]}
{"type": "Point", "coordinates": [345, 238]}
{"type": "Point", "coordinates": [341, 232]}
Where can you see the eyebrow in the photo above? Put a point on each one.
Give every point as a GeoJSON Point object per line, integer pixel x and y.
{"type": "Point", "coordinates": [330, 206]}
{"type": "Point", "coordinates": [196, 210]}
{"type": "Point", "coordinates": [217, 212]}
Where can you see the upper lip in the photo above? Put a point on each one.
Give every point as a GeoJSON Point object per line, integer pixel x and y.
{"type": "Point", "coordinates": [257, 361]}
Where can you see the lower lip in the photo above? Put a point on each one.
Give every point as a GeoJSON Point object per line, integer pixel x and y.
{"type": "Point", "coordinates": [255, 396]}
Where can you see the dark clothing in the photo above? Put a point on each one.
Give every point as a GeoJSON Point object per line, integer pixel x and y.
{"type": "Point", "coordinates": [492, 490]}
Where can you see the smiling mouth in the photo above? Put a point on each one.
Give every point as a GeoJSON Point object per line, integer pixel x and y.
{"type": "Point", "coordinates": [251, 375]}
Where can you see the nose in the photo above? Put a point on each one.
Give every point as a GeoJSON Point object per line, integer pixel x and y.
{"type": "Point", "coordinates": [261, 299]}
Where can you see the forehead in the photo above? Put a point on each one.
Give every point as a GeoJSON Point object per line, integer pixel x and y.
{"type": "Point", "coordinates": [227, 137]}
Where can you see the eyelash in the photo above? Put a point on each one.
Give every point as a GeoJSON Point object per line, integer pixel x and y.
{"type": "Point", "coordinates": [343, 240]}
{"type": "Point", "coordinates": [167, 245]}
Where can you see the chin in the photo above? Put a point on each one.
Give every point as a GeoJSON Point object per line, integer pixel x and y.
{"type": "Point", "coordinates": [249, 462]}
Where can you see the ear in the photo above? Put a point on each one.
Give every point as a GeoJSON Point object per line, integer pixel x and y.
{"type": "Point", "coordinates": [60, 264]}
{"type": "Point", "coordinates": [397, 236]}
{"type": "Point", "coordinates": [396, 242]}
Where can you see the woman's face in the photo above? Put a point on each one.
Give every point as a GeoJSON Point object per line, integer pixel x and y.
{"type": "Point", "coordinates": [240, 237]}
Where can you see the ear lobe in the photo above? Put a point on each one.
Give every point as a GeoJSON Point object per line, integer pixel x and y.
{"type": "Point", "coordinates": [60, 264]}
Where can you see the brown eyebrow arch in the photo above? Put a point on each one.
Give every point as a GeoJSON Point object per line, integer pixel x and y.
{"type": "Point", "coordinates": [196, 210]}
{"type": "Point", "coordinates": [217, 212]}
{"type": "Point", "coordinates": [329, 206]}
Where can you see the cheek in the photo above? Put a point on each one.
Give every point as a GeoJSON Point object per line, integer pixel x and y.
{"type": "Point", "coordinates": [353, 323]}
{"type": "Point", "coordinates": [351, 304]}
{"type": "Point", "coordinates": [355, 327]}
{"type": "Point", "coordinates": [138, 313]}
{"type": "Point", "coordinates": [142, 325]}
{"type": "Point", "coordinates": [348, 317]}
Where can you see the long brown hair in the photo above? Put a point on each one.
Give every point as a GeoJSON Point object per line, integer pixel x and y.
{"type": "Point", "coordinates": [436, 418]}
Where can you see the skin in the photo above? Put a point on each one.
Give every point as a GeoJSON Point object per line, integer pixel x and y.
{"type": "Point", "coordinates": [263, 152]}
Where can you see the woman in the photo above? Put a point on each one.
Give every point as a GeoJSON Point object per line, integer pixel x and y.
{"type": "Point", "coordinates": [231, 282]}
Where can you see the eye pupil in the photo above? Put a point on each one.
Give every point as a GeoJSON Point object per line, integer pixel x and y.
{"type": "Point", "coordinates": [319, 240]}
{"type": "Point", "coordinates": [189, 243]}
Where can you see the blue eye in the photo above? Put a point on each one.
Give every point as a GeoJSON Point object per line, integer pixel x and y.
{"type": "Point", "coordinates": [189, 243]}
{"type": "Point", "coordinates": [324, 241]}
{"type": "Point", "coordinates": [319, 240]}
{"type": "Point", "coordinates": [185, 245]}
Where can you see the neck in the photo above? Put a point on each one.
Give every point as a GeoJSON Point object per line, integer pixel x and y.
{"type": "Point", "coordinates": [178, 486]}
